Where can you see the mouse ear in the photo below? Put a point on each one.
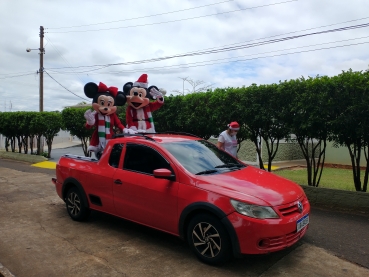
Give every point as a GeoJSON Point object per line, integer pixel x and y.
{"type": "Point", "coordinates": [127, 88]}
{"type": "Point", "coordinates": [120, 99]}
{"type": "Point", "coordinates": [90, 89]}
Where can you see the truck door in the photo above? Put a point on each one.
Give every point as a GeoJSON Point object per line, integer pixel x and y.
{"type": "Point", "coordinates": [141, 197]}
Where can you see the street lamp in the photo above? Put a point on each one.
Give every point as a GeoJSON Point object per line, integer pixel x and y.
{"type": "Point", "coordinates": [41, 70]}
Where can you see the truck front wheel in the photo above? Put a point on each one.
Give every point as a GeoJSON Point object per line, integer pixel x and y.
{"type": "Point", "coordinates": [208, 239]}
{"type": "Point", "coordinates": [76, 207]}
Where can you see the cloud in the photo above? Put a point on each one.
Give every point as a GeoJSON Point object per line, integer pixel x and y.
{"type": "Point", "coordinates": [114, 31]}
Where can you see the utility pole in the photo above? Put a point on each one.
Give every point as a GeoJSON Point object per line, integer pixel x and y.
{"type": "Point", "coordinates": [41, 70]}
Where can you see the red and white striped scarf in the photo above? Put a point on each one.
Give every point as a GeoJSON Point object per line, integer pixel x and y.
{"type": "Point", "coordinates": [103, 130]}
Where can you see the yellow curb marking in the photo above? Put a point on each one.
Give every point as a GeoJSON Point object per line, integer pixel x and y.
{"type": "Point", "coordinates": [46, 164]}
{"type": "Point", "coordinates": [273, 167]}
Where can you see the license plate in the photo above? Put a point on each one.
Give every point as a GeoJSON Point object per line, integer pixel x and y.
{"type": "Point", "coordinates": [302, 222]}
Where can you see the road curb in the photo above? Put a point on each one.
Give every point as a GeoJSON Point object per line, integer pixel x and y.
{"type": "Point", "coordinates": [342, 200]}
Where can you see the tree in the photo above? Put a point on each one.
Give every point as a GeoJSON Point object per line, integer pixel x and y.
{"type": "Point", "coordinates": [261, 107]}
{"type": "Point", "coordinates": [195, 115]}
{"type": "Point", "coordinates": [73, 120]}
{"type": "Point", "coordinates": [52, 122]}
{"type": "Point", "coordinates": [351, 119]}
{"type": "Point", "coordinates": [9, 129]}
{"type": "Point", "coordinates": [169, 117]}
{"type": "Point", "coordinates": [307, 113]}
{"type": "Point", "coordinates": [225, 105]}
{"type": "Point", "coordinates": [37, 128]}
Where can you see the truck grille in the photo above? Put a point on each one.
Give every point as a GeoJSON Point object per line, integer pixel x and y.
{"type": "Point", "coordinates": [292, 208]}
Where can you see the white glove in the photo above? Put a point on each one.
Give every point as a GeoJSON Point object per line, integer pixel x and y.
{"type": "Point", "coordinates": [155, 93]}
{"type": "Point", "coordinates": [90, 117]}
{"type": "Point", "coordinates": [141, 131]}
{"type": "Point", "coordinates": [129, 131]}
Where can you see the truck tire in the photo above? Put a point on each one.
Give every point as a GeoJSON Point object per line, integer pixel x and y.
{"type": "Point", "coordinates": [208, 239]}
{"type": "Point", "coordinates": [76, 207]}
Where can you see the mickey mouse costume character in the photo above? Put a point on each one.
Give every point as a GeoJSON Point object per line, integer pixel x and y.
{"type": "Point", "coordinates": [139, 109]}
{"type": "Point", "coordinates": [104, 103]}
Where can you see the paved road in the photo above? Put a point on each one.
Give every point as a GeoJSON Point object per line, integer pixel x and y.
{"type": "Point", "coordinates": [57, 153]}
{"type": "Point", "coordinates": [344, 234]}
{"type": "Point", "coordinates": [30, 233]}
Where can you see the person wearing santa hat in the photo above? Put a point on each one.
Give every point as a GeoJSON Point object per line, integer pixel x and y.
{"type": "Point", "coordinates": [227, 140]}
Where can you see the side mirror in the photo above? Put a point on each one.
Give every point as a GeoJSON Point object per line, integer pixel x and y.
{"type": "Point", "coordinates": [163, 173]}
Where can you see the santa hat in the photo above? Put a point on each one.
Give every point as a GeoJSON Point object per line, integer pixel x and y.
{"type": "Point", "coordinates": [142, 81]}
{"type": "Point", "coordinates": [234, 126]}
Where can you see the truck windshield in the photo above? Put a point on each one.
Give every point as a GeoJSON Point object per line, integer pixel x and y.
{"type": "Point", "coordinates": [202, 157]}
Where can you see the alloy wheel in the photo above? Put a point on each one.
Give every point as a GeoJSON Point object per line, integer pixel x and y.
{"type": "Point", "coordinates": [206, 239]}
{"type": "Point", "coordinates": [74, 204]}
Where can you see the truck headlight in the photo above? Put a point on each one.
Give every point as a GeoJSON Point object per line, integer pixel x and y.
{"type": "Point", "coordinates": [254, 210]}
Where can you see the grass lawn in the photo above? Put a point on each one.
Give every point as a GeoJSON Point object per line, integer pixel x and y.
{"type": "Point", "coordinates": [334, 178]}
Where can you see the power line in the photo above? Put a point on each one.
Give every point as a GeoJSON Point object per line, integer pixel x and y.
{"type": "Point", "coordinates": [242, 60]}
{"type": "Point", "coordinates": [14, 73]}
{"type": "Point", "coordinates": [140, 17]}
{"type": "Point", "coordinates": [227, 59]}
{"type": "Point", "coordinates": [226, 49]}
{"type": "Point", "coordinates": [104, 66]}
{"type": "Point", "coordinates": [19, 75]}
{"type": "Point", "coordinates": [64, 86]}
{"type": "Point", "coordinates": [207, 64]}
{"type": "Point", "coordinates": [232, 60]}
{"type": "Point", "coordinates": [309, 29]}
{"type": "Point", "coordinates": [176, 20]}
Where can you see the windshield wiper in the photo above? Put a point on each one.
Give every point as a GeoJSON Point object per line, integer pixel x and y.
{"type": "Point", "coordinates": [206, 172]}
{"type": "Point", "coordinates": [229, 165]}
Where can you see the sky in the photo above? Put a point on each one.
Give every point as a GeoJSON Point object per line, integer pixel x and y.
{"type": "Point", "coordinates": [217, 43]}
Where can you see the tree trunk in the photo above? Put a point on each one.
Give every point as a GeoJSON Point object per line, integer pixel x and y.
{"type": "Point", "coordinates": [19, 140]}
{"type": "Point", "coordinates": [320, 163]}
{"type": "Point", "coordinates": [271, 151]}
{"type": "Point", "coordinates": [85, 141]}
{"type": "Point", "coordinates": [12, 143]}
{"type": "Point", "coordinates": [258, 151]}
{"type": "Point", "coordinates": [355, 162]}
{"type": "Point", "coordinates": [31, 138]}
{"type": "Point", "coordinates": [25, 144]}
{"type": "Point", "coordinates": [38, 151]}
{"type": "Point", "coordinates": [365, 184]}
{"type": "Point", "coordinates": [49, 141]}
{"type": "Point", "coordinates": [7, 144]}
{"type": "Point", "coordinates": [305, 151]}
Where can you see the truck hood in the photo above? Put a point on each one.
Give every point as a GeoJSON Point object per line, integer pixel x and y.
{"type": "Point", "coordinates": [252, 185]}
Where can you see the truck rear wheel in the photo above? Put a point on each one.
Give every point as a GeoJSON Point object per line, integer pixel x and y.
{"type": "Point", "coordinates": [76, 207]}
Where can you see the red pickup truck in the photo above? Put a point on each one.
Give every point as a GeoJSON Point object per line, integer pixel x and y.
{"type": "Point", "coordinates": [186, 186]}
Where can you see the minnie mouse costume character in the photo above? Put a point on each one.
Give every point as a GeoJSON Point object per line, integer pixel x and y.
{"type": "Point", "coordinates": [139, 109]}
{"type": "Point", "coordinates": [104, 103]}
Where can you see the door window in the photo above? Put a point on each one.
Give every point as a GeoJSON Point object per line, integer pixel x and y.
{"type": "Point", "coordinates": [115, 155]}
{"type": "Point", "coordinates": [143, 159]}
